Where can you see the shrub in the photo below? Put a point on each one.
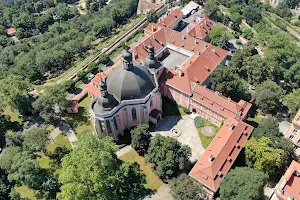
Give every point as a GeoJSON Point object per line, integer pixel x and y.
{"type": "Point", "coordinates": [199, 122]}
{"type": "Point", "coordinates": [69, 85]}
{"type": "Point", "coordinates": [81, 74]}
{"type": "Point", "coordinates": [104, 59]}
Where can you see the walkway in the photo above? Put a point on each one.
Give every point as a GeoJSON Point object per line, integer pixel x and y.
{"type": "Point", "coordinates": [187, 133]}
{"type": "Point", "coordinates": [64, 127]}
{"type": "Point", "coordinates": [163, 193]}
{"type": "Point", "coordinates": [124, 150]}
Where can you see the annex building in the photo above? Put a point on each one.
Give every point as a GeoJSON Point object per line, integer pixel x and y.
{"type": "Point", "coordinates": [178, 66]}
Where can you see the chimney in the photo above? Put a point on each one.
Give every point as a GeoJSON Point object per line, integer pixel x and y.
{"type": "Point", "coordinates": [205, 22]}
{"type": "Point", "coordinates": [214, 50]}
{"type": "Point", "coordinates": [144, 45]}
{"type": "Point", "coordinates": [196, 41]}
{"type": "Point", "coordinates": [199, 53]}
{"type": "Point", "coordinates": [182, 37]}
{"type": "Point", "coordinates": [133, 55]}
{"type": "Point", "coordinates": [187, 29]}
{"type": "Point", "coordinates": [211, 158]}
{"type": "Point", "coordinates": [191, 62]}
{"type": "Point", "coordinates": [228, 98]}
{"type": "Point", "coordinates": [153, 29]}
{"type": "Point", "coordinates": [205, 46]}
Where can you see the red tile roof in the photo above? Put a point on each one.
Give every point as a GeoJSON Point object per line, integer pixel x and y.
{"type": "Point", "coordinates": [11, 31]}
{"type": "Point", "coordinates": [290, 183]}
{"type": "Point", "coordinates": [152, 27]}
{"type": "Point", "coordinates": [170, 18]}
{"type": "Point", "coordinates": [220, 104]}
{"type": "Point", "coordinates": [202, 28]}
{"type": "Point", "coordinates": [220, 155]}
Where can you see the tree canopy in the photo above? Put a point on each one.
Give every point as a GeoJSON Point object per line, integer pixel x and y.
{"type": "Point", "coordinates": [140, 138]}
{"type": "Point", "coordinates": [243, 183]}
{"type": "Point", "coordinates": [109, 175]}
{"type": "Point", "coordinates": [262, 157]}
{"type": "Point", "coordinates": [185, 187]}
{"type": "Point", "coordinates": [168, 156]}
{"type": "Point", "coordinates": [268, 127]}
{"type": "Point", "coordinates": [292, 101]}
{"type": "Point", "coordinates": [268, 96]}
{"type": "Point", "coordinates": [35, 140]}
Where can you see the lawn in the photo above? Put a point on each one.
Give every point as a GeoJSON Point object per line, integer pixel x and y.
{"type": "Point", "coordinates": [26, 193]}
{"type": "Point", "coordinates": [153, 182]}
{"type": "Point", "coordinates": [15, 123]}
{"type": "Point", "coordinates": [170, 108]}
{"type": "Point", "coordinates": [255, 120]}
{"type": "Point", "coordinates": [43, 160]}
{"type": "Point", "coordinates": [205, 140]}
{"type": "Point", "coordinates": [59, 141]}
{"type": "Point", "coordinates": [80, 122]}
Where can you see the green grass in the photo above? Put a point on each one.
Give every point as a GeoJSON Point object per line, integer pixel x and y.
{"type": "Point", "coordinates": [59, 141]}
{"type": "Point", "coordinates": [255, 120]}
{"type": "Point", "coordinates": [26, 193]}
{"type": "Point", "coordinates": [80, 122]}
{"type": "Point", "coordinates": [170, 108]}
{"type": "Point", "coordinates": [14, 116]}
{"type": "Point", "coordinates": [153, 181]}
{"type": "Point", "coordinates": [206, 140]}
{"type": "Point", "coordinates": [43, 160]}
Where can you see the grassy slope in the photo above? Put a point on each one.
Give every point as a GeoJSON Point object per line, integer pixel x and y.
{"type": "Point", "coordinates": [153, 182]}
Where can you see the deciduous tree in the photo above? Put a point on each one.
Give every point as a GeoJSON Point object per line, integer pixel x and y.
{"type": "Point", "coordinates": [140, 138]}
{"type": "Point", "coordinates": [292, 101]}
{"type": "Point", "coordinates": [262, 157]}
{"type": "Point", "coordinates": [6, 160]}
{"type": "Point", "coordinates": [168, 156]}
{"type": "Point", "coordinates": [243, 183]}
{"type": "Point", "coordinates": [268, 96]}
{"type": "Point", "coordinates": [35, 140]}
{"type": "Point", "coordinates": [185, 187]}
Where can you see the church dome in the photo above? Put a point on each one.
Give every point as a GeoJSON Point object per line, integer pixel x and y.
{"type": "Point", "coordinates": [105, 102]}
{"type": "Point", "coordinates": [130, 80]}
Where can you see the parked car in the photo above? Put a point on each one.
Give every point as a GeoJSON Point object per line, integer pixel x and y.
{"type": "Point", "coordinates": [91, 77]}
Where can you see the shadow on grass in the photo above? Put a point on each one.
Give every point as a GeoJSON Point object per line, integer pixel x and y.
{"type": "Point", "coordinates": [77, 119]}
{"type": "Point", "coordinates": [170, 108]}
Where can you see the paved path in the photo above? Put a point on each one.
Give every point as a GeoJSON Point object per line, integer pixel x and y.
{"type": "Point", "coordinates": [284, 126]}
{"type": "Point", "coordinates": [163, 193]}
{"type": "Point", "coordinates": [124, 150]}
{"type": "Point", "coordinates": [64, 127]}
{"type": "Point", "coordinates": [189, 133]}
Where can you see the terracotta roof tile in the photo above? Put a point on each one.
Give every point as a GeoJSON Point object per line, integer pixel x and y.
{"type": "Point", "coordinates": [202, 28]}
{"type": "Point", "coordinates": [11, 31]}
{"type": "Point", "coordinates": [220, 155]}
{"type": "Point", "coordinates": [170, 18]}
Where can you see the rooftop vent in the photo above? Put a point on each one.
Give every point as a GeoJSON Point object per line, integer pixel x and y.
{"type": "Point", "coordinates": [228, 98]}
{"type": "Point", "coordinates": [214, 50]}
{"type": "Point", "coordinates": [183, 37]}
{"type": "Point", "coordinates": [232, 126]}
{"type": "Point", "coordinates": [196, 41]}
{"type": "Point", "coordinates": [211, 158]}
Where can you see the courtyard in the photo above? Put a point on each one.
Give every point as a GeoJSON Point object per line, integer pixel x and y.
{"type": "Point", "coordinates": [181, 128]}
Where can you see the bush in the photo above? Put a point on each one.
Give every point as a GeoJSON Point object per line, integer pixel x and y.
{"type": "Point", "coordinates": [199, 122]}
{"type": "Point", "coordinates": [92, 67]}
{"type": "Point", "coordinates": [69, 85]}
{"type": "Point", "coordinates": [81, 74]}
{"type": "Point", "coordinates": [104, 59]}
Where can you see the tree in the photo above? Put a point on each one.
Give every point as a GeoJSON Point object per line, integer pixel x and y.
{"type": "Point", "coordinates": [247, 33]}
{"type": "Point", "coordinates": [199, 122]}
{"type": "Point", "coordinates": [59, 153]}
{"type": "Point", "coordinates": [109, 177]}
{"type": "Point", "coordinates": [219, 36]}
{"type": "Point", "coordinates": [243, 183]}
{"type": "Point", "coordinates": [268, 127]}
{"type": "Point", "coordinates": [152, 16]}
{"type": "Point", "coordinates": [62, 12]}
{"type": "Point", "coordinates": [26, 170]}
{"type": "Point", "coordinates": [35, 140]}
{"type": "Point", "coordinates": [6, 160]}
{"type": "Point", "coordinates": [185, 187]}
{"type": "Point", "coordinates": [293, 75]}
{"type": "Point", "coordinates": [257, 69]}
{"type": "Point", "coordinates": [5, 186]}
{"type": "Point", "coordinates": [168, 156]}
{"type": "Point", "coordinates": [252, 15]}
{"type": "Point", "coordinates": [14, 139]}
{"type": "Point", "coordinates": [14, 92]}
{"type": "Point", "coordinates": [140, 138]}
{"type": "Point", "coordinates": [283, 10]}
{"type": "Point", "coordinates": [225, 80]}
{"type": "Point", "coordinates": [104, 59]}
{"type": "Point", "coordinates": [51, 103]}
{"type": "Point", "coordinates": [268, 96]}
{"type": "Point", "coordinates": [289, 154]}
{"type": "Point", "coordinates": [211, 9]}
{"type": "Point", "coordinates": [261, 156]}
{"type": "Point", "coordinates": [292, 101]}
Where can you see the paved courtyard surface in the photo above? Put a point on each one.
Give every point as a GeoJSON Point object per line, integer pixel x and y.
{"type": "Point", "coordinates": [185, 126]}
{"type": "Point", "coordinates": [163, 193]}
{"type": "Point", "coordinates": [123, 151]}
{"type": "Point", "coordinates": [284, 126]}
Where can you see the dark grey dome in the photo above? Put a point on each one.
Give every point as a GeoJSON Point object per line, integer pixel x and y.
{"type": "Point", "coordinates": [105, 102]}
{"type": "Point", "coordinates": [133, 83]}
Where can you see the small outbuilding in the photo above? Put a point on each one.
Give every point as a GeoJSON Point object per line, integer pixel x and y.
{"type": "Point", "coordinates": [189, 8]}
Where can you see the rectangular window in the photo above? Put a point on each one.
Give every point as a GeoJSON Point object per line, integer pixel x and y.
{"type": "Point", "coordinates": [151, 103]}
{"type": "Point", "coordinates": [291, 137]}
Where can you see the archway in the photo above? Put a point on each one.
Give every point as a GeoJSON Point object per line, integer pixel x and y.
{"type": "Point", "coordinates": [194, 110]}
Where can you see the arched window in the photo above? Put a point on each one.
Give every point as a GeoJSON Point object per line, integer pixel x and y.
{"type": "Point", "coordinates": [133, 114]}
